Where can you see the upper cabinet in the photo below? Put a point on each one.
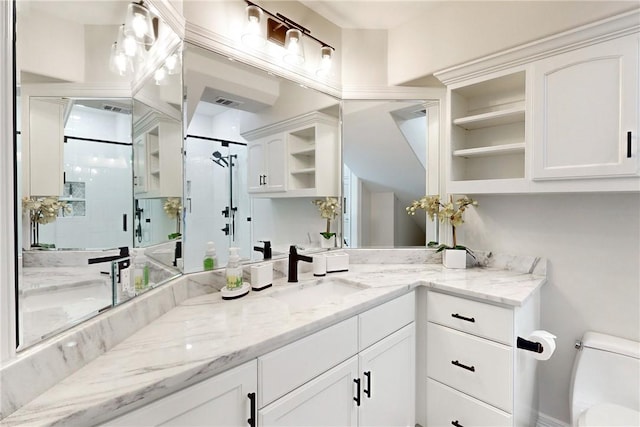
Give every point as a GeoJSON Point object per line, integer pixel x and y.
{"type": "Point", "coordinates": [295, 158]}
{"type": "Point", "coordinates": [487, 133]}
{"type": "Point", "coordinates": [557, 115]}
{"type": "Point", "coordinates": [157, 145]}
{"type": "Point", "coordinates": [586, 112]}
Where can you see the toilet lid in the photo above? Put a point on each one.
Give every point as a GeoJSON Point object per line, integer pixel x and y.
{"type": "Point", "coordinates": [609, 414]}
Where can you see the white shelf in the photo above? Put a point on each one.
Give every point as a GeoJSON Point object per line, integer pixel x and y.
{"type": "Point", "coordinates": [496, 150]}
{"type": "Point", "coordinates": [494, 118]}
{"type": "Point", "coordinates": [304, 152]}
{"type": "Point", "coordinates": [305, 171]}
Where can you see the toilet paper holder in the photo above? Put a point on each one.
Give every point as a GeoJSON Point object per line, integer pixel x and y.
{"type": "Point", "coordinates": [524, 344]}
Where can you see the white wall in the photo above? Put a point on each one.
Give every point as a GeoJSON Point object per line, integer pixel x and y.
{"type": "Point", "coordinates": [458, 31]}
{"type": "Point", "coordinates": [381, 227]}
{"type": "Point", "coordinates": [592, 244]}
{"type": "Point", "coordinates": [364, 58]}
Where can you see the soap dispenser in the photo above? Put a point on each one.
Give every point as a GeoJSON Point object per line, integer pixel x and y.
{"type": "Point", "coordinates": [209, 262]}
{"type": "Point", "coordinates": [234, 287]}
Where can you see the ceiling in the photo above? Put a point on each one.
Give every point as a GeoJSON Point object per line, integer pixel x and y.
{"type": "Point", "coordinates": [370, 14]}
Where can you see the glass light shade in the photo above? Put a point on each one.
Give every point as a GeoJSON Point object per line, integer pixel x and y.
{"type": "Point", "coordinates": [253, 36]}
{"type": "Point", "coordinates": [128, 44]}
{"type": "Point", "coordinates": [294, 51]}
{"type": "Point", "coordinates": [119, 62]}
{"type": "Point", "coordinates": [324, 68]}
{"type": "Point", "coordinates": [138, 24]}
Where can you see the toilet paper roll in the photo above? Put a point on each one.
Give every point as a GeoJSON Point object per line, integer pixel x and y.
{"type": "Point", "coordinates": [548, 341]}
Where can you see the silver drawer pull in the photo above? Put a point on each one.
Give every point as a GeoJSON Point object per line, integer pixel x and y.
{"type": "Point", "coordinates": [468, 319]}
{"type": "Point", "coordinates": [468, 368]}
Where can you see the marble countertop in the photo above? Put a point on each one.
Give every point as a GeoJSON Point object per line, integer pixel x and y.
{"type": "Point", "coordinates": [206, 335]}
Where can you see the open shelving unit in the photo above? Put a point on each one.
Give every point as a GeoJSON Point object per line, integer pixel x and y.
{"type": "Point", "coordinates": [488, 133]}
{"type": "Point", "coordinates": [302, 158]}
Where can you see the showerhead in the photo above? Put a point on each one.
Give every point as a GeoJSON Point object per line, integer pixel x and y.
{"type": "Point", "coordinates": [219, 159]}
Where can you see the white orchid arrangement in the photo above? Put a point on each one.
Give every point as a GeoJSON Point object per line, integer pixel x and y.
{"type": "Point", "coordinates": [43, 210]}
{"type": "Point", "coordinates": [329, 209]}
{"type": "Point", "coordinates": [445, 212]}
{"type": "Point", "coordinates": [172, 207]}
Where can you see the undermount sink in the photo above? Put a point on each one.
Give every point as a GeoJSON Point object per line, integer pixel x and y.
{"type": "Point", "coordinates": [316, 293]}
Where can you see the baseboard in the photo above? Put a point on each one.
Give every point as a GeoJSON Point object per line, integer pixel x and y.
{"type": "Point", "coordinates": [547, 421]}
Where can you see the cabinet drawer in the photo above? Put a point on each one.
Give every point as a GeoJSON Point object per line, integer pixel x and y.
{"type": "Point", "coordinates": [484, 320]}
{"type": "Point", "coordinates": [385, 319]}
{"type": "Point", "coordinates": [289, 367]}
{"type": "Point", "coordinates": [446, 405]}
{"type": "Point", "coordinates": [473, 365]}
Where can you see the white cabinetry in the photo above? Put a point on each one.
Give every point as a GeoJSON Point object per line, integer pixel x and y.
{"type": "Point", "coordinates": [267, 169]}
{"type": "Point", "coordinates": [560, 114]}
{"type": "Point", "coordinates": [45, 139]}
{"type": "Point", "coordinates": [157, 157]}
{"type": "Point", "coordinates": [320, 380]}
{"type": "Point", "coordinates": [222, 401]}
{"type": "Point", "coordinates": [586, 112]}
{"type": "Point", "coordinates": [295, 158]}
{"type": "Point", "coordinates": [475, 374]}
{"type": "Point", "coordinates": [372, 387]}
{"type": "Point", "coordinates": [487, 133]}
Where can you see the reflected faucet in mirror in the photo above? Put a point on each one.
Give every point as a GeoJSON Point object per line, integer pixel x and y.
{"type": "Point", "coordinates": [266, 250]}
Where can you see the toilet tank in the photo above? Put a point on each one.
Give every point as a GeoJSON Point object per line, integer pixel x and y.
{"type": "Point", "coordinates": [606, 370]}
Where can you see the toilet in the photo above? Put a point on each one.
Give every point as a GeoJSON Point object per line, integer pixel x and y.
{"type": "Point", "coordinates": [605, 386]}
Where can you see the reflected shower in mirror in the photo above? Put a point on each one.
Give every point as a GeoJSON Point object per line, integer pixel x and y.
{"type": "Point", "coordinates": [259, 150]}
{"type": "Point", "coordinates": [385, 160]}
{"type": "Point", "coordinates": [74, 162]}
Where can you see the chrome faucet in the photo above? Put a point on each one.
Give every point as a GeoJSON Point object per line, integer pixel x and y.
{"type": "Point", "coordinates": [293, 263]}
{"type": "Point", "coordinates": [266, 250]}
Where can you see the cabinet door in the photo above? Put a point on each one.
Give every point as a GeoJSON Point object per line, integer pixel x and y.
{"type": "Point", "coordinates": [276, 170]}
{"type": "Point", "coordinates": [387, 372]}
{"type": "Point", "coordinates": [220, 401]}
{"type": "Point", "coordinates": [586, 112]}
{"type": "Point", "coordinates": [328, 400]}
{"type": "Point", "coordinates": [255, 168]}
{"type": "Point", "coordinates": [46, 135]}
{"type": "Point", "coordinates": [140, 164]}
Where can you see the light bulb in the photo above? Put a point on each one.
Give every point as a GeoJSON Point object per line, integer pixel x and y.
{"type": "Point", "coordinates": [293, 45]}
{"type": "Point", "coordinates": [171, 62]}
{"type": "Point", "coordinates": [325, 61]}
{"type": "Point", "coordinates": [139, 25]}
{"type": "Point", "coordinates": [159, 75]}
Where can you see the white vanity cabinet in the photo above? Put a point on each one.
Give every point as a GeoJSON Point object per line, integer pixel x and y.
{"type": "Point", "coordinates": [359, 372]}
{"type": "Point", "coordinates": [475, 374]}
{"type": "Point", "coordinates": [224, 400]}
{"type": "Point", "coordinates": [266, 165]}
{"type": "Point", "coordinates": [294, 158]}
{"type": "Point", "coordinates": [586, 112]}
{"type": "Point", "coordinates": [373, 386]}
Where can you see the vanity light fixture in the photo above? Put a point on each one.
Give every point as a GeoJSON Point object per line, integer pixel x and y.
{"type": "Point", "coordinates": [287, 33]}
{"type": "Point", "coordinates": [138, 24]}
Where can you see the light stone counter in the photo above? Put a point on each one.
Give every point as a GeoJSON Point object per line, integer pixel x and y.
{"type": "Point", "coordinates": [205, 335]}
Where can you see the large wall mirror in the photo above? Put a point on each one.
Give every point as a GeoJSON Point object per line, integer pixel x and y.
{"type": "Point", "coordinates": [386, 145]}
{"type": "Point", "coordinates": [77, 125]}
{"type": "Point", "coordinates": [260, 150]}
